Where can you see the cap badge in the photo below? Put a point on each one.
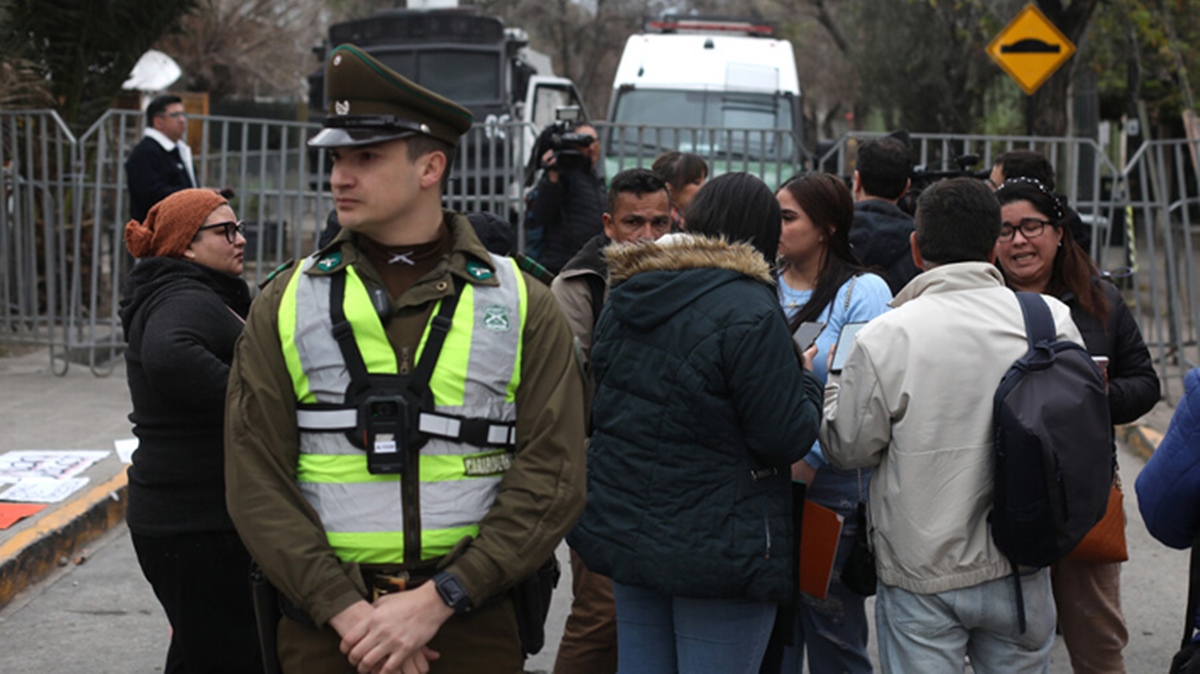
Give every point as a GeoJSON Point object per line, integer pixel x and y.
{"type": "Point", "coordinates": [341, 107]}
{"type": "Point", "coordinates": [495, 318]}
{"type": "Point", "coordinates": [337, 59]}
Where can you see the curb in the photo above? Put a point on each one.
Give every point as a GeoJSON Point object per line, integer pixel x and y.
{"type": "Point", "coordinates": [1142, 439]}
{"type": "Point", "coordinates": [34, 553]}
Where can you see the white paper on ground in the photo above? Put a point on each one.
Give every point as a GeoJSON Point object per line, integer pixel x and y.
{"type": "Point", "coordinates": [52, 463]}
{"type": "Point", "coordinates": [42, 489]}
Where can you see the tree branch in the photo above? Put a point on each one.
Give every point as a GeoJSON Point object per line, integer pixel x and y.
{"type": "Point", "coordinates": [826, 19]}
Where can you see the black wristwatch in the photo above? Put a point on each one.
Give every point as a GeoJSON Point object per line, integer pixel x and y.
{"type": "Point", "coordinates": [452, 592]}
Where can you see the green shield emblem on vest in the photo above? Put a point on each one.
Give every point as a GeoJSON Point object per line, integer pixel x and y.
{"type": "Point", "coordinates": [495, 318]}
{"type": "Point", "coordinates": [328, 262]}
{"type": "Point", "coordinates": [479, 271]}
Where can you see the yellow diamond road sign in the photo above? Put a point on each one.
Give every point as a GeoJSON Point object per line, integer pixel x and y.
{"type": "Point", "coordinates": [1030, 48]}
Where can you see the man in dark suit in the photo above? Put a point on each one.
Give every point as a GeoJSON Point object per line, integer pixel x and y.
{"type": "Point", "coordinates": [160, 163]}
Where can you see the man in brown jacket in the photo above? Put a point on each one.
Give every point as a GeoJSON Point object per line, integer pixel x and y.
{"type": "Point", "coordinates": [639, 209]}
{"type": "Point", "coordinates": [393, 496]}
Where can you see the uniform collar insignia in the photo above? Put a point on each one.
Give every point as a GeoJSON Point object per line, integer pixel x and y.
{"type": "Point", "coordinates": [329, 261]}
{"type": "Point", "coordinates": [341, 107]}
{"type": "Point", "coordinates": [405, 257]}
{"type": "Point", "coordinates": [479, 271]}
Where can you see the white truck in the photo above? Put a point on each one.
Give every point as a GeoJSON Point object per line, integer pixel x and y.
{"type": "Point", "coordinates": [725, 90]}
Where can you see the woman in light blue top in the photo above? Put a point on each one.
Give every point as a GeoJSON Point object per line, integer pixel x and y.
{"type": "Point", "coordinates": [821, 280]}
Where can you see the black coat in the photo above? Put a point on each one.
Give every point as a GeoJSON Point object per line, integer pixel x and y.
{"type": "Point", "coordinates": [1133, 386]}
{"type": "Point", "coordinates": [700, 409]}
{"type": "Point", "coordinates": [570, 211]}
{"type": "Point", "coordinates": [153, 174]}
{"type": "Point", "coordinates": [880, 237]}
{"type": "Point", "coordinates": [181, 321]}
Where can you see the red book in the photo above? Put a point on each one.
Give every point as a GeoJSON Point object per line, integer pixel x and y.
{"type": "Point", "coordinates": [819, 535]}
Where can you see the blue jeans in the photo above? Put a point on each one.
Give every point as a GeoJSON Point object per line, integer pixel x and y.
{"type": "Point", "coordinates": [936, 632]}
{"type": "Point", "coordinates": [833, 631]}
{"type": "Point", "coordinates": [661, 634]}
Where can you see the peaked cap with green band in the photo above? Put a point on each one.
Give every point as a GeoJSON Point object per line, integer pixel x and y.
{"type": "Point", "coordinates": [371, 103]}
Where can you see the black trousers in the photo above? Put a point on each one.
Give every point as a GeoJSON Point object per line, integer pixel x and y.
{"type": "Point", "coordinates": [202, 581]}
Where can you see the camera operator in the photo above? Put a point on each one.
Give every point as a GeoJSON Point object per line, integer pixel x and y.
{"type": "Point", "coordinates": [568, 202]}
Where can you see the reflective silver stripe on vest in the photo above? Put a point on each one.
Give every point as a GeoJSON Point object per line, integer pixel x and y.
{"type": "Point", "coordinates": [443, 505]}
{"type": "Point", "coordinates": [430, 423]}
{"type": "Point", "coordinates": [319, 352]}
{"type": "Point", "coordinates": [326, 420]}
{"type": "Point", "coordinates": [493, 352]}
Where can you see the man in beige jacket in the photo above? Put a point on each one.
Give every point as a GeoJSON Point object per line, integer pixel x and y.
{"type": "Point", "coordinates": [915, 400]}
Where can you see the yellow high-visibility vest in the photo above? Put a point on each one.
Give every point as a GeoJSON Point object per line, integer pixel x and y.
{"type": "Point", "coordinates": [476, 377]}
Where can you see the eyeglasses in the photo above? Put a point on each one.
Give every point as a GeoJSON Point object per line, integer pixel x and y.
{"type": "Point", "coordinates": [176, 115]}
{"type": "Point", "coordinates": [1031, 228]}
{"type": "Point", "coordinates": [232, 229]}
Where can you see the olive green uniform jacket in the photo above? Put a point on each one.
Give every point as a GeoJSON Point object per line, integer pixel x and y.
{"type": "Point", "coordinates": [540, 496]}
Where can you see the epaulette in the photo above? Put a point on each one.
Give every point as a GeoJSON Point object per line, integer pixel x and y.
{"type": "Point", "coordinates": [288, 264]}
{"type": "Point", "coordinates": [531, 267]}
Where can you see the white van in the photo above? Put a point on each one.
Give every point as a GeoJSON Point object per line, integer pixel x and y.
{"type": "Point", "coordinates": [724, 90]}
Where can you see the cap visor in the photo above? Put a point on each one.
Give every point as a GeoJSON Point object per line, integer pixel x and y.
{"type": "Point", "coordinates": [352, 137]}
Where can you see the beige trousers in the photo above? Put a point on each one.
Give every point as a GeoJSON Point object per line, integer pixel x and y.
{"type": "Point", "coordinates": [1088, 597]}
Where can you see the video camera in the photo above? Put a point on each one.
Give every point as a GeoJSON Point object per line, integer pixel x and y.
{"type": "Point", "coordinates": [923, 176]}
{"type": "Point", "coordinates": [565, 146]}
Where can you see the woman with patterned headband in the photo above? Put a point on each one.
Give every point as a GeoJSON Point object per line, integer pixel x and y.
{"type": "Point", "coordinates": [1037, 253]}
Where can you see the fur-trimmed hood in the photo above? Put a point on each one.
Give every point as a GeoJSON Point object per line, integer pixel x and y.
{"type": "Point", "coordinates": [677, 252]}
{"type": "Point", "coordinates": [652, 281]}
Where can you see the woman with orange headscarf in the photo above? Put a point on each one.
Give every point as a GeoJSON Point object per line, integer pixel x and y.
{"type": "Point", "coordinates": [183, 309]}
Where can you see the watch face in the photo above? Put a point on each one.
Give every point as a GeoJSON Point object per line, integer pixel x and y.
{"type": "Point", "coordinates": [452, 592]}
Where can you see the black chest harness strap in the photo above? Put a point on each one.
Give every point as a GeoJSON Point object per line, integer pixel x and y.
{"type": "Point", "coordinates": [423, 421]}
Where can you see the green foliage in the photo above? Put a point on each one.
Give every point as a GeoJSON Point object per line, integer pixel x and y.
{"type": "Point", "coordinates": [924, 61]}
{"type": "Point", "coordinates": [1131, 48]}
{"type": "Point", "coordinates": [85, 47]}
{"type": "Point", "coordinates": [1005, 105]}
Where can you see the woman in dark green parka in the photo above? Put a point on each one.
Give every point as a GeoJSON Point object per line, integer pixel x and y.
{"type": "Point", "coordinates": [701, 407]}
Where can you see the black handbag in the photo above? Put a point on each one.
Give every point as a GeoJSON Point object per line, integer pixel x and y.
{"type": "Point", "coordinates": [858, 573]}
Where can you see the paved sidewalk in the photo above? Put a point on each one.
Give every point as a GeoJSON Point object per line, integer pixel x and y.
{"type": "Point", "coordinates": [39, 410]}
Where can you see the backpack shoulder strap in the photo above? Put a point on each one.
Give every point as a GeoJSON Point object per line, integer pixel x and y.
{"type": "Point", "coordinates": [1039, 322]}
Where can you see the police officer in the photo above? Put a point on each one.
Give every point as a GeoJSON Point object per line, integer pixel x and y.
{"type": "Point", "coordinates": [405, 410]}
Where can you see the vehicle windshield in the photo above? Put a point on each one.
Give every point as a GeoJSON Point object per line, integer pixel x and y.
{"type": "Point", "coordinates": [465, 76]}
{"type": "Point", "coordinates": [751, 125]}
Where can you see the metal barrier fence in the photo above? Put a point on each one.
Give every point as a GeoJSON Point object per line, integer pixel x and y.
{"type": "Point", "coordinates": [772, 155]}
{"type": "Point", "coordinates": [64, 204]}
